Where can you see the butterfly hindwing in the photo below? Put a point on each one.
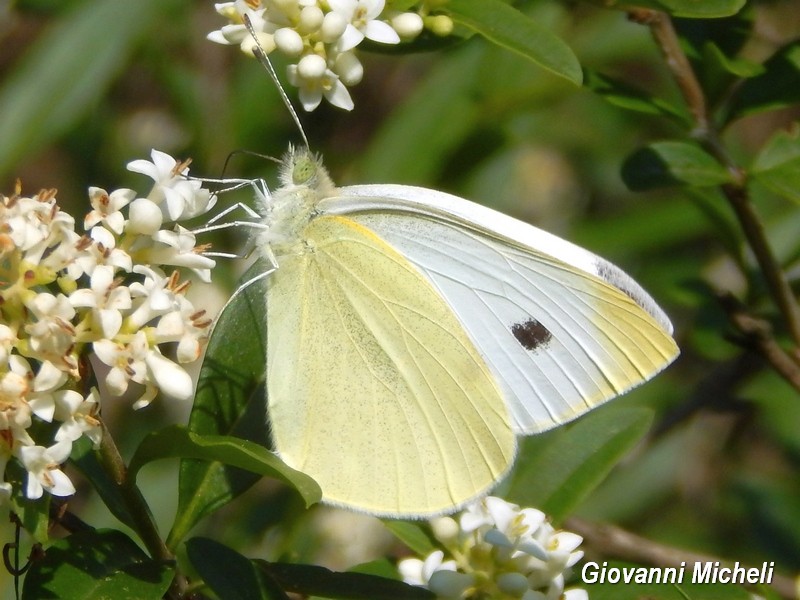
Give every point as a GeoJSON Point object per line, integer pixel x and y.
{"type": "Point", "coordinates": [374, 387]}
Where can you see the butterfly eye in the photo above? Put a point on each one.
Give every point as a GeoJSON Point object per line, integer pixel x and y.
{"type": "Point", "coordinates": [303, 170]}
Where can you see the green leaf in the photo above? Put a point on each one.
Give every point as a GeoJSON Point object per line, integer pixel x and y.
{"type": "Point", "coordinates": [412, 535]}
{"type": "Point", "coordinates": [34, 515]}
{"type": "Point", "coordinates": [777, 87]}
{"type": "Point", "coordinates": [229, 574]}
{"type": "Point", "coordinates": [672, 163]}
{"type": "Point", "coordinates": [67, 71]}
{"type": "Point", "coordinates": [507, 27]}
{"type": "Point", "coordinates": [95, 565]}
{"type": "Point", "coordinates": [230, 400]}
{"type": "Point", "coordinates": [777, 166]}
{"type": "Point", "coordinates": [178, 442]}
{"type": "Point", "coordinates": [555, 473]}
{"type": "Point", "coordinates": [309, 580]}
{"type": "Point", "coordinates": [625, 96]}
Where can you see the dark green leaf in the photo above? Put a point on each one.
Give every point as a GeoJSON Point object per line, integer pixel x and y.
{"type": "Point", "coordinates": [778, 86]}
{"type": "Point", "coordinates": [625, 96]}
{"type": "Point", "coordinates": [557, 473]}
{"type": "Point", "coordinates": [230, 400]}
{"type": "Point", "coordinates": [70, 67]}
{"type": "Point", "coordinates": [672, 163]}
{"type": "Point", "coordinates": [229, 574]}
{"type": "Point", "coordinates": [777, 167]}
{"type": "Point", "coordinates": [97, 565]}
{"type": "Point", "coordinates": [412, 535]}
{"type": "Point", "coordinates": [311, 580]}
{"type": "Point", "coordinates": [507, 27]}
{"type": "Point", "coordinates": [178, 442]}
{"type": "Point", "coordinates": [728, 34]}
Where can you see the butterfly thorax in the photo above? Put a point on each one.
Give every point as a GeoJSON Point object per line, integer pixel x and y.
{"type": "Point", "coordinates": [304, 182]}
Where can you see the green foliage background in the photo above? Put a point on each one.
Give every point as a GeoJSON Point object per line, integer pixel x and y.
{"type": "Point", "coordinates": [88, 85]}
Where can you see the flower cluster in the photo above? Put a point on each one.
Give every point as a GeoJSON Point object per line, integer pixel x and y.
{"type": "Point", "coordinates": [320, 37]}
{"type": "Point", "coordinates": [101, 296]}
{"type": "Point", "coordinates": [497, 551]}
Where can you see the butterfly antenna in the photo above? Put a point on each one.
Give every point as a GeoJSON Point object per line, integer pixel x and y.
{"type": "Point", "coordinates": [259, 53]}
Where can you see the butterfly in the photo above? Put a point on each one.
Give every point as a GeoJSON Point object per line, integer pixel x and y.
{"type": "Point", "coordinates": [413, 335]}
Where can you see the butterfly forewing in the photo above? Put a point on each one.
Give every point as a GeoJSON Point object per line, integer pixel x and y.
{"type": "Point", "coordinates": [560, 338]}
{"type": "Point", "coordinates": [374, 387]}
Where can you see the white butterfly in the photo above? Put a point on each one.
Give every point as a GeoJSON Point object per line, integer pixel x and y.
{"type": "Point", "coordinates": [412, 335]}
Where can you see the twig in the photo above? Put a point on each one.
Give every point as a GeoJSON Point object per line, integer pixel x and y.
{"type": "Point", "coordinates": [665, 36]}
{"type": "Point", "coordinates": [138, 508]}
{"type": "Point", "coordinates": [615, 542]}
{"type": "Point", "coordinates": [758, 334]}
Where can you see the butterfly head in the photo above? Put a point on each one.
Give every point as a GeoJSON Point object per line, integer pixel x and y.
{"type": "Point", "coordinates": [303, 169]}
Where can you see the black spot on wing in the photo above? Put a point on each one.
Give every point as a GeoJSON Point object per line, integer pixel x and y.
{"type": "Point", "coordinates": [531, 334]}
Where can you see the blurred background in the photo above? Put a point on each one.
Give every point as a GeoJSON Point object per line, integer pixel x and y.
{"type": "Point", "coordinates": [88, 85]}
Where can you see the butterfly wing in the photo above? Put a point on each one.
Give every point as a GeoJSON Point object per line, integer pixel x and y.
{"type": "Point", "coordinates": [374, 388]}
{"type": "Point", "coordinates": [561, 329]}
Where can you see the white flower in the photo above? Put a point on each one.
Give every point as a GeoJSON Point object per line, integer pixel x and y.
{"type": "Point", "coordinates": [7, 340]}
{"type": "Point", "coordinates": [361, 16]}
{"type": "Point", "coordinates": [126, 361]}
{"type": "Point", "coordinates": [315, 82]}
{"type": "Point", "coordinates": [499, 550]}
{"type": "Point", "coordinates": [51, 334]}
{"type": "Point", "coordinates": [178, 248]}
{"type": "Point", "coordinates": [106, 298]}
{"type": "Point", "coordinates": [178, 197]}
{"type": "Point", "coordinates": [100, 248]}
{"type": "Point", "coordinates": [42, 397]}
{"type": "Point", "coordinates": [418, 572]}
{"type": "Point", "coordinates": [187, 326]}
{"type": "Point", "coordinates": [78, 416]}
{"type": "Point", "coordinates": [106, 208]}
{"type": "Point", "coordinates": [15, 414]}
{"type": "Point", "coordinates": [43, 472]}
{"type": "Point", "coordinates": [153, 296]}
{"type": "Point", "coordinates": [171, 379]}
{"type": "Point", "coordinates": [137, 361]}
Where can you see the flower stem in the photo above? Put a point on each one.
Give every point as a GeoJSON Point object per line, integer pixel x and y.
{"type": "Point", "coordinates": [135, 503]}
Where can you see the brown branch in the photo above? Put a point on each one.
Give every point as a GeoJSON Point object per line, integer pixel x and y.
{"type": "Point", "coordinates": [668, 43]}
{"type": "Point", "coordinates": [615, 542]}
{"type": "Point", "coordinates": [758, 335]}
{"type": "Point", "coordinates": [664, 34]}
{"type": "Point", "coordinates": [773, 273]}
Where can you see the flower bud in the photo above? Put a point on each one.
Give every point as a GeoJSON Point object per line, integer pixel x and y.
{"type": "Point", "coordinates": [441, 25]}
{"type": "Point", "coordinates": [408, 25]}
{"type": "Point", "coordinates": [288, 41]}
{"type": "Point", "coordinates": [348, 68]}
{"type": "Point", "coordinates": [145, 217]}
{"type": "Point", "coordinates": [312, 66]}
{"type": "Point", "coordinates": [333, 26]}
